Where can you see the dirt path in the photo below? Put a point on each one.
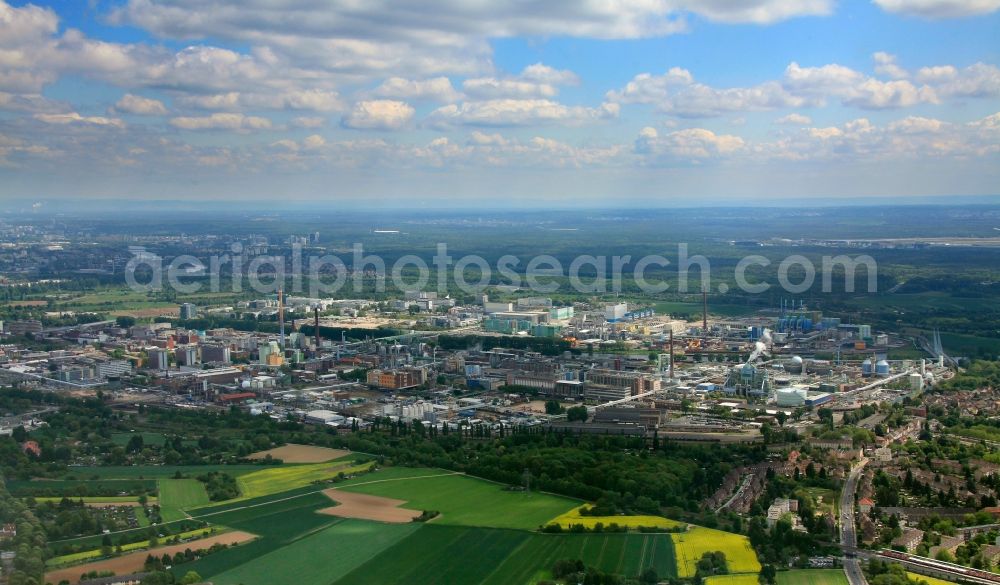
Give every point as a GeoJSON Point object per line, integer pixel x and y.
{"type": "Point", "coordinates": [301, 454]}
{"type": "Point", "coordinates": [366, 507]}
{"type": "Point", "coordinates": [133, 562]}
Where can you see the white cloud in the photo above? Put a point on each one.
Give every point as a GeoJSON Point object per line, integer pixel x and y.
{"type": "Point", "coordinates": [542, 73]}
{"type": "Point", "coordinates": [438, 89]}
{"type": "Point", "coordinates": [378, 115]}
{"type": "Point", "coordinates": [885, 64]}
{"type": "Point", "coordinates": [794, 120]}
{"type": "Point", "coordinates": [308, 122]}
{"type": "Point", "coordinates": [690, 143]}
{"type": "Point", "coordinates": [221, 121]}
{"type": "Point", "coordinates": [75, 118]}
{"type": "Point", "coordinates": [940, 8]}
{"type": "Point", "coordinates": [134, 104]}
{"type": "Point", "coordinates": [676, 92]}
{"type": "Point", "coordinates": [534, 81]}
{"type": "Point", "coordinates": [977, 81]}
{"type": "Point", "coordinates": [515, 112]}
{"type": "Point", "coordinates": [485, 88]}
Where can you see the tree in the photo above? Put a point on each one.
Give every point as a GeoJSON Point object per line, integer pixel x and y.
{"type": "Point", "coordinates": [125, 322]}
{"type": "Point", "coordinates": [553, 407]}
{"type": "Point", "coordinates": [190, 578]}
{"type": "Point", "coordinates": [577, 413]}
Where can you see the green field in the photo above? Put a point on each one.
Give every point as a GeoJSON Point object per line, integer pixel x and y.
{"type": "Point", "coordinates": [123, 500]}
{"type": "Point", "coordinates": [68, 487]}
{"type": "Point", "coordinates": [96, 553]}
{"type": "Point", "coordinates": [344, 546]}
{"type": "Point", "coordinates": [468, 501]}
{"type": "Point", "coordinates": [691, 545]}
{"type": "Point", "coordinates": [812, 577]}
{"type": "Point", "coordinates": [279, 524]}
{"type": "Point", "coordinates": [440, 554]}
{"type": "Point", "coordinates": [155, 472]}
{"type": "Point", "coordinates": [277, 479]}
{"type": "Point", "coordinates": [177, 495]}
{"type": "Point", "coordinates": [626, 554]}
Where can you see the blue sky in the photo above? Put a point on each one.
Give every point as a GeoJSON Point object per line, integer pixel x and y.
{"type": "Point", "coordinates": [543, 103]}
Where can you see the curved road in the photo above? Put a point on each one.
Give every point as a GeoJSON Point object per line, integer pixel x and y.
{"type": "Point", "coordinates": [848, 535]}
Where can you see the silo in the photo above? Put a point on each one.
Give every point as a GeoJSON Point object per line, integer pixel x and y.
{"type": "Point", "coordinates": [882, 368]}
{"type": "Point", "coordinates": [866, 367]}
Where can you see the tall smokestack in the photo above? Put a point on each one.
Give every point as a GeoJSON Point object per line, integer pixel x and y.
{"type": "Point", "coordinates": [704, 310]}
{"type": "Point", "coordinates": [671, 353]}
{"type": "Point", "coordinates": [281, 318]}
{"type": "Point", "coordinates": [316, 325]}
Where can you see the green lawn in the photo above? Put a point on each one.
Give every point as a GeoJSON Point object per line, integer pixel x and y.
{"type": "Point", "coordinates": [812, 577]}
{"type": "Point", "coordinates": [343, 547]}
{"type": "Point", "coordinates": [177, 495]}
{"type": "Point", "coordinates": [468, 501]}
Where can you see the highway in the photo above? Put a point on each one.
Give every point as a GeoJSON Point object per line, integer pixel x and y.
{"type": "Point", "coordinates": [848, 535]}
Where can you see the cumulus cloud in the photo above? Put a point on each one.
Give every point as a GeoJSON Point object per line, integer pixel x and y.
{"type": "Point", "coordinates": [935, 9]}
{"type": "Point", "coordinates": [517, 112]}
{"type": "Point", "coordinates": [794, 120]}
{"type": "Point", "coordinates": [689, 143]}
{"type": "Point", "coordinates": [308, 122]}
{"type": "Point", "coordinates": [438, 89]}
{"type": "Point", "coordinates": [676, 92]}
{"type": "Point", "coordinates": [378, 115]}
{"type": "Point", "coordinates": [134, 104]}
{"type": "Point", "coordinates": [221, 121]}
{"type": "Point", "coordinates": [885, 64]}
{"type": "Point", "coordinates": [75, 118]}
{"type": "Point", "coordinates": [534, 81]}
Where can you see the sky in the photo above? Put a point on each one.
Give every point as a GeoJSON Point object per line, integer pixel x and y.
{"type": "Point", "coordinates": [500, 103]}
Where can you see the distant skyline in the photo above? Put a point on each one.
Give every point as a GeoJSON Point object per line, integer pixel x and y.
{"type": "Point", "coordinates": [534, 104]}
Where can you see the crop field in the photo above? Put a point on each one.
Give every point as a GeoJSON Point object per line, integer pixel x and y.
{"type": "Point", "coordinates": [272, 480]}
{"type": "Point", "coordinates": [278, 524]}
{"type": "Point", "coordinates": [133, 562]}
{"type": "Point", "coordinates": [177, 495]}
{"type": "Point", "coordinates": [626, 554]}
{"type": "Point", "coordinates": [154, 472]}
{"type": "Point", "coordinates": [691, 545]}
{"type": "Point", "coordinates": [96, 553]}
{"type": "Point", "coordinates": [631, 522]}
{"type": "Point", "coordinates": [812, 577]}
{"type": "Point", "coordinates": [301, 454]}
{"type": "Point", "coordinates": [928, 580]}
{"type": "Point", "coordinates": [740, 579]}
{"type": "Point", "coordinates": [451, 554]}
{"type": "Point", "coordinates": [100, 500]}
{"type": "Point", "coordinates": [68, 487]}
{"type": "Point", "coordinates": [344, 546]}
{"type": "Point", "coordinates": [468, 501]}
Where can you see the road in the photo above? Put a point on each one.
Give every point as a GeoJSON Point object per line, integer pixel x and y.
{"type": "Point", "coordinates": [848, 534]}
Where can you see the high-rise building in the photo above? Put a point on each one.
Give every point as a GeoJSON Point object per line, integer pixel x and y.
{"type": "Point", "coordinates": [189, 311]}
{"type": "Point", "coordinates": [158, 359]}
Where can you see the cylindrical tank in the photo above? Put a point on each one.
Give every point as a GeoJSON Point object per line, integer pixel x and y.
{"type": "Point", "coordinates": [866, 367]}
{"type": "Point", "coordinates": [882, 368]}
